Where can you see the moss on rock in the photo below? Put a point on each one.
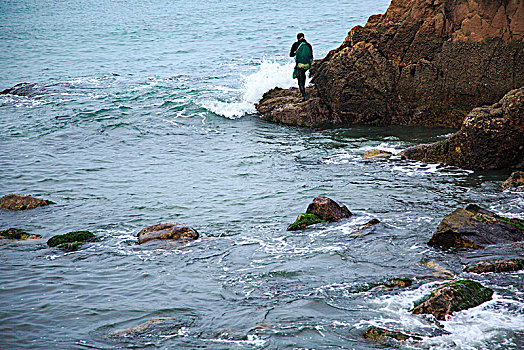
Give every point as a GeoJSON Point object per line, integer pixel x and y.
{"type": "Point", "coordinates": [304, 220]}
{"type": "Point", "coordinates": [16, 233]}
{"type": "Point", "coordinates": [69, 246]}
{"type": "Point", "coordinates": [71, 237]}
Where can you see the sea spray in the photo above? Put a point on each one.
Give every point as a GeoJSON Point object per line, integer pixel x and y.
{"type": "Point", "coordinates": [269, 74]}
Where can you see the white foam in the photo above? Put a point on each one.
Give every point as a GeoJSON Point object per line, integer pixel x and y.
{"type": "Point", "coordinates": [268, 75]}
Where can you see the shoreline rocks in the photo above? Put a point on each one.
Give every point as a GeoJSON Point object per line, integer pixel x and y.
{"type": "Point", "coordinates": [421, 63]}
{"type": "Point", "coordinates": [475, 227]}
{"type": "Point", "coordinates": [491, 137]}
{"type": "Point", "coordinates": [452, 297]}
{"type": "Point", "coordinates": [16, 233]}
{"type": "Point", "coordinates": [71, 241]}
{"type": "Point", "coordinates": [500, 265]}
{"type": "Point", "coordinates": [515, 182]}
{"type": "Point", "coordinates": [16, 202]}
{"type": "Point", "coordinates": [167, 231]}
{"type": "Point", "coordinates": [320, 210]}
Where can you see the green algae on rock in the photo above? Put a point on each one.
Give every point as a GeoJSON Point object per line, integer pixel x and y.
{"type": "Point", "coordinates": [73, 246]}
{"type": "Point", "coordinates": [303, 220]}
{"type": "Point", "coordinates": [71, 237]}
{"type": "Point", "coordinates": [321, 209]}
{"type": "Point", "coordinates": [475, 227]}
{"type": "Point", "coordinates": [452, 297]}
{"type": "Point", "coordinates": [500, 265]}
{"type": "Point", "coordinates": [378, 334]}
{"type": "Point", "coordinates": [16, 202]}
{"type": "Point", "coordinates": [16, 233]}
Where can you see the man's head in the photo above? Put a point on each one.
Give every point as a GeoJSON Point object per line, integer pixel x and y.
{"type": "Point", "coordinates": [300, 36]}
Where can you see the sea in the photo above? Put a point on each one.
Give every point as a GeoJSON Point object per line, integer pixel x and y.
{"type": "Point", "coordinates": [143, 112]}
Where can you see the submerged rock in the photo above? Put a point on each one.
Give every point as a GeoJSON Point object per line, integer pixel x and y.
{"type": "Point", "coordinates": [501, 265]}
{"type": "Point", "coordinates": [71, 240]}
{"type": "Point", "coordinates": [420, 63]}
{"type": "Point", "coordinates": [377, 153]}
{"type": "Point", "coordinates": [142, 327]}
{"type": "Point", "coordinates": [16, 202]}
{"type": "Point", "coordinates": [491, 137]}
{"type": "Point", "coordinates": [475, 227]}
{"type": "Point", "coordinates": [22, 89]}
{"type": "Point", "coordinates": [452, 297]}
{"type": "Point", "coordinates": [320, 210]}
{"type": "Point", "coordinates": [378, 334]}
{"type": "Point", "coordinates": [170, 231]}
{"type": "Point", "coordinates": [515, 182]}
{"type": "Point", "coordinates": [16, 233]}
{"type": "Point", "coordinates": [385, 285]}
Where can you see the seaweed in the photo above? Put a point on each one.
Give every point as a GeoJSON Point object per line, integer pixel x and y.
{"type": "Point", "coordinates": [304, 220]}
{"type": "Point", "coordinates": [71, 237]}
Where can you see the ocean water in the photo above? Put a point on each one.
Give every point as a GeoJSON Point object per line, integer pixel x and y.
{"type": "Point", "coordinates": [143, 113]}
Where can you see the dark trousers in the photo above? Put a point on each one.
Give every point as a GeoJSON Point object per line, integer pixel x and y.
{"type": "Point", "coordinates": [301, 76]}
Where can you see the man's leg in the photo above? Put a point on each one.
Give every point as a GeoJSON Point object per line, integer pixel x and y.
{"type": "Point", "coordinates": [301, 76]}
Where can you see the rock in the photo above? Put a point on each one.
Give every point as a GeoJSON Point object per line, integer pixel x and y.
{"type": "Point", "coordinates": [368, 224]}
{"type": "Point", "coordinates": [304, 220]}
{"type": "Point", "coordinates": [327, 209]}
{"type": "Point", "coordinates": [491, 137]}
{"type": "Point", "coordinates": [377, 154]}
{"type": "Point", "coordinates": [16, 233]}
{"type": "Point", "coordinates": [22, 89]}
{"type": "Point", "coordinates": [71, 240]}
{"type": "Point", "coordinates": [452, 297]}
{"type": "Point", "coordinates": [15, 202]}
{"type": "Point", "coordinates": [421, 63]}
{"type": "Point", "coordinates": [475, 227]}
{"type": "Point", "coordinates": [501, 265]}
{"type": "Point", "coordinates": [385, 285]}
{"type": "Point", "coordinates": [378, 334]}
{"type": "Point", "coordinates": [515, 182]}
{"type": "Point", "coordinates": [142, 327]}
{"type": "Point", "coordinates": [171, 230]}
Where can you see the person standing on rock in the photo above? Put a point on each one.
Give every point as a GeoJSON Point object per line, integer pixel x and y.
{"type": "Point", "coordinates": [303, 53]}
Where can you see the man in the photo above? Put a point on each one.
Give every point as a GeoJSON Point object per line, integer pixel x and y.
{"type": "Point", "coordinates": [303, 53]}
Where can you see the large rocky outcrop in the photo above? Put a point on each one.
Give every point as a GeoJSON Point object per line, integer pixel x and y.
{"type": "Point", "coordinates": [491, 137]}
{"type": "Point", "coordinates": [477, 228]}
{"type": "Point", "coordinates": [423, 62]}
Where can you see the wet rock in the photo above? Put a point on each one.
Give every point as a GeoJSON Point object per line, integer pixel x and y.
{"type": "Point", "coordinates": [501, 265]}
{"type": "Point", "coordinates": [167, 231]}
{"type": "Point", "coordinates": [142, 327]}
{"type": "Point", "coordinates": [421, 63]}
{"type": "Point", "coordinates": [475, 227]}
{"type": "Point", "coordinates": [320, 210]}
{"type": "Point", "coordinates": [22, 89]}
{"type": "Point", "coordinates": [490, 138]}
{"type": "Point", "coordinates": [387, 285]}
{"type": "Point", "coordinates": [71, 240]}
{"type": "Point", "coordinates": [377, 154]}
{"type": "Point", "coordinates": [16, 202]}
{"type": "Point", "coordinates": [368, 224]}
{"type": "Point", "coordinates": [378, 334]}
{"type": "Point", "coordinates": [515, 182]}
{"type": "Point", "coordinates": [452, 297]}
{"type": "Point", "coordinates": [16, 233]}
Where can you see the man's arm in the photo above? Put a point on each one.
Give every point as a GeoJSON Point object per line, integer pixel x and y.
{"type": "Point", "coordinates": [294, 48]}
{"type": "Point", "coordinates": [311, 47]}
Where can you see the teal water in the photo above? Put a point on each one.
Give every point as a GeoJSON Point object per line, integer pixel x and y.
{"type": "Point", "coordinates": [143, 113]}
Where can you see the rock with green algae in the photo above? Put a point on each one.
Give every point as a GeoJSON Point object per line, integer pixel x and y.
{"type": "Point", "coordinates": [500, 265]}
{"type": "Point", "coordinates": [69, 246]}
{"type": "Point", "coordinates": [304, 220]}
{"type": "Point", "coordinates": [475, 227]}
{"type": "Point", "coordinates": [71, 237]}
{"type": "Point", "coordinates": [379, 335]}
{"type": "Point", "coordinates": [16, 202]}
{"type": "Point", "coordinates": [16, 233]}
{"type": "Point", "coordinates": [452, 297]}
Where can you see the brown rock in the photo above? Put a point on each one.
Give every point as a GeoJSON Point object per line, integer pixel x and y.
{"type": "Point", "coordinates": [452, 297]}
{"type": "Point", "coordinates": [378, 334]}
{"type": "Point", "coordinates": [515, 182]}
{"type": "Point", "coordinates": [501, 265]}
{"type": "Point", "coordinates": [491, 137]}
{"type": "Point", "coordinates": [421, 63]}
{"type": "Point", "coordinates": [170, 231]}
{"type": "Point", "coordinates": [327, 209]}
{"type": "Point", "coordinates": [16, 233]}
{"type": "Point", "coordinates": [15, 202]}
{"type": "Point", "coordinates": [475, 227]}
{"type": "Point", "coordinates": [377, 154]}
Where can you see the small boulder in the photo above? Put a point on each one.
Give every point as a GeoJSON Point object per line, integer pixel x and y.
{"type": "Point", "coordinates": [71, 240]}
{"type": "Point", "coordinates": [170, 230]}
{"type": "Point", "coordinates": [377, 153]}
{"type": "Point", "coordinates": [320, 210]}
{"type": "Point", "coordinates": [515, 182]}
{"type": "Point", "coordinates": [386, 285]}
{"type": "Point", "coordinates": [378, 334]}
{"type": "Point", "coordinates": [16, 202]}
{"type": "Point", "coordinates": [16, 233]}
{"type": "Point", "coordinates": [501, 265]}
{"type": "Point", "coordinates": [452, 297]}
{"type": "Point", "coordinates": [475, 227]}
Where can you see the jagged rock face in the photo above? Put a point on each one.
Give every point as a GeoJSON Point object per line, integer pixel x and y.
{"type": "Point", "coordinates": [423, 62]}
{"type": "Point", "coordinates": [475, 227]}
{"type": "Point", "coordinates": [491, 137]}
{"type": "Point", "coordinates": [167, 231]}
